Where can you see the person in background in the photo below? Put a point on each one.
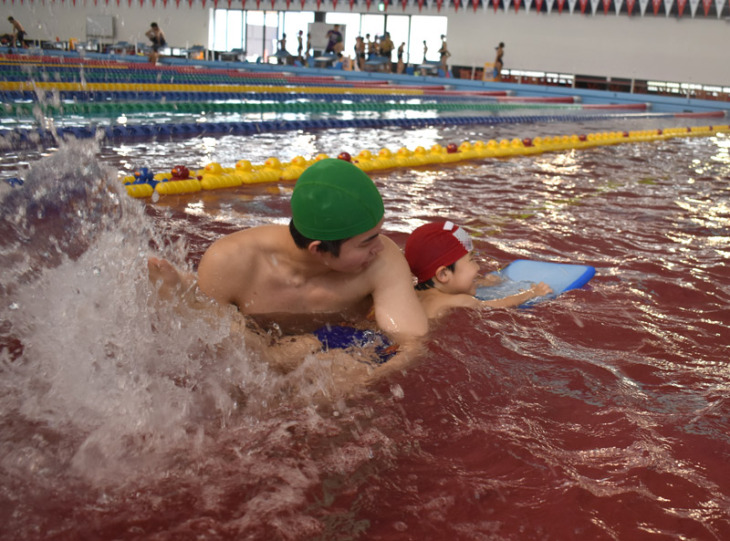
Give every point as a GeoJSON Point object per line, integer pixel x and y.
{"type": "Point", "coordinates": [18, 33]}
{"type": "Point", "coordinates": [300, 45]}
{"type": "Point", "coordinates": [360, 53]}
{"type": "Point", "coordinates": [386, 50]}
{"type": "Point", "coordinates": [401, 65]}
{"type": "Point", "coordinates": [499, 62]}
{"type": "Point", "coordinates": [334, 41]}
{"type": "Point", "coordinates": [425, 50]}
{"type": "Point", "coordinates": [157, 37]}
{"type": "Point", "coordinates": [444, 55]}
{"type": "Point", "coordinates": [440, 256]}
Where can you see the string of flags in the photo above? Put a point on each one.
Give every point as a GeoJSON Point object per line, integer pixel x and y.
{"type": "Point", "coordinates": [679, 8]}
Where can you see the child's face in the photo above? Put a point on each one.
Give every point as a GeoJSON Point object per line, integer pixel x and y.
{"type": "Point", "coordinates": [466, 271]}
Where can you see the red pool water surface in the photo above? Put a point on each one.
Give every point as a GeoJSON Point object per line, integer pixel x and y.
{"type": "Point", "coordinates": [601, 414]}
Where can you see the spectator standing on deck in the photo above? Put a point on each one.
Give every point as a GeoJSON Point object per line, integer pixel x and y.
{"type": "Point", "coordinates": [499, 62]}
{"type": "Point", "coordinates": [401, 50]}
{"type": "Point", "coordinates": [157, 37]}
{"type": "Point", "coordinates": [445, 54]}
{"type": "Point", "coordinates": [18, 33]}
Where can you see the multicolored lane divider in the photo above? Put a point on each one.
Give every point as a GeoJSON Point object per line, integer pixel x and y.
{"type": "Point", "coordinates": [181, 180]}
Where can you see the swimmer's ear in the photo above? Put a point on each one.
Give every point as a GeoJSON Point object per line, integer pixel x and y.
{"type": "Point", "coordinates": [442, 274]}
{"type": "Point", "coordinates": [313, 247]}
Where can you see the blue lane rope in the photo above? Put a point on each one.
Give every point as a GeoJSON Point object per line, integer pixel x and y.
{"type": "Point", "coordinates": [19, 137]}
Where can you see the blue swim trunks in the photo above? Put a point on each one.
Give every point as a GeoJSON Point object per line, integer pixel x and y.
{"type": "Point", "coordinates": [343, 337]}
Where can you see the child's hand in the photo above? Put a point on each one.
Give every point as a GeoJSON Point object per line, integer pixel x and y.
{"type": "Point", "coordinates": [541, 289]}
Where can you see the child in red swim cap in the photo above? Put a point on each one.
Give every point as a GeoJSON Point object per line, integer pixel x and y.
{"type": "Point", "coordinates": [440, 256]}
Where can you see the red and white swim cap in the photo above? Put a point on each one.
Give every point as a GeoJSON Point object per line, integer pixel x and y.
{"type": "Point", "coordinates": [435, 245]}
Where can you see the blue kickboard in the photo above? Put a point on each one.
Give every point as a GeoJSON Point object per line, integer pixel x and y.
{"type": "Point", "coordinates": [521, 274]}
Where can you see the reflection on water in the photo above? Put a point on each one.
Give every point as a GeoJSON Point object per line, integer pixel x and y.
{"type": "Point", "coordinates": [601, 414]}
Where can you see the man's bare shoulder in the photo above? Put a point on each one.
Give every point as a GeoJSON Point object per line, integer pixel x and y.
{"type": "Point", "coordinates": [237, 254]}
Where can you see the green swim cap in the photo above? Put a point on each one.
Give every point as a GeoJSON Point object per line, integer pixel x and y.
{"type": "Point", "coordinates": [334, 200]}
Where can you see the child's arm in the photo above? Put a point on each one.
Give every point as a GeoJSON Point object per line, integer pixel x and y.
{"type": "Point", "coordinates": [537, 290]}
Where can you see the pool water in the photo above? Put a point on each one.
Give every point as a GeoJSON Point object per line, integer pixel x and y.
{"type": "Point", "coordinates": [601, 414]}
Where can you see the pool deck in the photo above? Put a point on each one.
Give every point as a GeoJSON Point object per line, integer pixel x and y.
{"type": "Point", "coordinates": [655, 103]}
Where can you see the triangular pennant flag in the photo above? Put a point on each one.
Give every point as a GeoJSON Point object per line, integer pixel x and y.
{"type": "Point", "coordinates": [656, 4]}
{"type": "Point", "coordinates": [668, 6]}
{"type": "Point", "coordinates": [549, 5]}
{"type": "Point", "coordinates": [456, 5]}
{"type": "Point", "coordinates": [352, 3]}
{"type": "Point", "coordinates": [538, 5]}
{"type": "Point", "coordinates": [561, 5]}
{"type": "Point", "coordinates": [606, 6]}
{"type": "Point", "coordinates": [272, 3]}
{"type": "Point", "coordinates": [630, 6]}
{"type": "Point", "coordinates": [583, 5]}
{"type": "Point", "coordinates": [403, 3]}
{"type": "Point", "coordinates": [516, 3]}
{"type": "Point", "coordinates": [719, 6]}
{"type": "Point", "coordinates": [706, 4]}
{"type": "Point", "coordinates": [190, 3]}
{"type": "Point", "coordinates": [693, 6]}
{"type": "Point", "coordinates": [177, 3]}
{"type": "Point", "coordinates": [420, 5]}
{"type": "Point", "coordinates": [642, 6]}
{"type": "Point", "coordinates": [258, 4]}
{"type": "Point", "coordinates": [495, 3]}
{"type": "Point", "coordinates": [528, 5]}
{"type": "Point", "coordinates": [439, 3]}
{"type": "Point", "coordinates": [618, 4]}
{"type": "Point", "coordinates": [385, 5]}
{"type": "Point", "coordinates": [594, 6]}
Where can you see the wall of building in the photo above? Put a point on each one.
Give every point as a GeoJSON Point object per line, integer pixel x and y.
{"type": "Point", "coordinates": [650, 47]}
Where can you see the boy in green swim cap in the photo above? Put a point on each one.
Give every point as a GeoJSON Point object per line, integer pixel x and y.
{"type": "Point", "coordinates": [331, 265]}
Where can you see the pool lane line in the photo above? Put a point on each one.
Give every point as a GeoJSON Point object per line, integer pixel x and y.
{"type": "Point", "coordinates": [213, 176]}
{"type": "Point", "coordinates": [200, 107]}
{"type": "Point", "coordinates": [19, 137]}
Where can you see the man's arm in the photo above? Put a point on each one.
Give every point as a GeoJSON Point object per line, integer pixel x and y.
{"type": "Point", "coordinates": [398, 311]}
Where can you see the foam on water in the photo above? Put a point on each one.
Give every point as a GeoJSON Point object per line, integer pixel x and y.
{"type": "Point", "coordinates": [107, 388]}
